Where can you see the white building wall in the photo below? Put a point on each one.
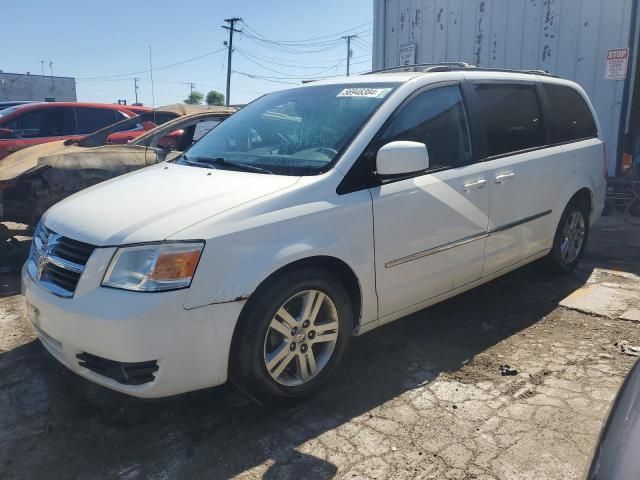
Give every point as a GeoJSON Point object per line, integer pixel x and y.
{"type": "Point", "coordinates": [568, 38]}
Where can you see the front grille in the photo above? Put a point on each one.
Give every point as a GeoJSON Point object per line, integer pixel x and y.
{"type": "Point", "coordinates": [136, 373]}
{"type": "Point", "coordinates": [57, 262]}
{"type": "Point", "coordinates": [73, 250]}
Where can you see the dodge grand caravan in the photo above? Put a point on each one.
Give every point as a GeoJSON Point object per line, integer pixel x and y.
{"type": "Point", "coordinates": [311, 215]}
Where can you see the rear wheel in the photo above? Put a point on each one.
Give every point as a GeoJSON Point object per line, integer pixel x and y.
{"type": "Point", "coordinates": [291, 336]}
{"type": "Point", "coordinates": [571, 237]}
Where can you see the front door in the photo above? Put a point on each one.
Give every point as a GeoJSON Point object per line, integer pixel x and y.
{"type": "Point", "coordinates": [430, 229]}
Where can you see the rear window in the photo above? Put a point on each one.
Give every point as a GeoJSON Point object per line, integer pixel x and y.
{"type": "Point", "coordinates": [512, 117]}
{"type": "Point", "coordinates": [158, 117]}
{"type": "Point", "coordinates": [571, 114]}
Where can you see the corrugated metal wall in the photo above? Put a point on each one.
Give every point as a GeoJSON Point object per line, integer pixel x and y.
{"type": "Point", "coordinates": [568, 38]}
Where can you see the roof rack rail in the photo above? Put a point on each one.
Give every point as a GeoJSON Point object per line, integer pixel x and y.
{"type": "Point", "coordinates": [509, 70]}
{"type": "Point", "coordinates": [421, 66]}
{"type": "Point", "coordinates": [453, 66]}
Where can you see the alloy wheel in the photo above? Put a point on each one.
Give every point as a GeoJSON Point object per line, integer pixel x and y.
{"type": "Point", "coordinates": [301, 338]}
{"type": "Point", "coordinates": [572, 237]}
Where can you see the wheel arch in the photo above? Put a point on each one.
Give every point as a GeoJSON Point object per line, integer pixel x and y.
{"type": "Point", "coordinates": [330, 264]}
{"type": "Point", "coordinates": [570, 193]}
{"type": "Point", "coordinates": [325, 262]}
{"type": "Point", "coordinates": [586, 195]}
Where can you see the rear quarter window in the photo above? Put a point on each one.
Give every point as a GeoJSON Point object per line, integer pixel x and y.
{"type": "Point", "coordinates": [571, 114]}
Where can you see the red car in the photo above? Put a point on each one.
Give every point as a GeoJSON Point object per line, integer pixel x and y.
{"type": "Point", "coordinates": [29, 124]}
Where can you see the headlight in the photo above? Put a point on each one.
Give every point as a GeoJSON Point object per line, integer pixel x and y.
{"type": "Point", "coordinates": [153, 267]}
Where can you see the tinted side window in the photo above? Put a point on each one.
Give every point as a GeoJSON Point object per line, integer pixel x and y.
{"type": "Point", "coordinates": [512, 117]}
{"type": "Point", "coordinates": [58, 122]}
{"type": "Point", "coordinates": [92, 119]}
{"type": "Point", "coordinates": [50, 122]}
{"type": "Point", "coordinates": [436, 118]}
{"type": "Point", "coordinates": [571, 115]}
{"type": "Point", "coordinates": [27, 125]}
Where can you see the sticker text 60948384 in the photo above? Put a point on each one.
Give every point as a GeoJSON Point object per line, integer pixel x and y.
{"type": "Point", "coordinates": [364, 92]}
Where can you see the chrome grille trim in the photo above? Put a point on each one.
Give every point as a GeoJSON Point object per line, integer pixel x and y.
{"type": "Point", "coordinates": [66, 264]}
{"type": "Point", "coordinates": [50, 262]}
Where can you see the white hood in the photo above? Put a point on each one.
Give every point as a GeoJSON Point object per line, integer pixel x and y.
{"type": "Point", "coordinates": [153, 203]}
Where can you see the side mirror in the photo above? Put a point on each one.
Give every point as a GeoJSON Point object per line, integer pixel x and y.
{"type": "Point", "coordinates": [6, 133]}
{"type": "Point", "coordinates": [401, 158]}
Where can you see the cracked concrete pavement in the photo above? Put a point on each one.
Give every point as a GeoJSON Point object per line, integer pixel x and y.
{"type": "Point", "coordinates": [420, 398]}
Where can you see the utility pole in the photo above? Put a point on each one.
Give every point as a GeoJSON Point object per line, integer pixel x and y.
{"type": "Point", "coordinates": [230, 27]}
{"type": "Point", "coordinates": [191, 87]}
{"type": "Point", "coordinates": [348, 39]}
{"type": "Point", "coordinates": [135, 87]}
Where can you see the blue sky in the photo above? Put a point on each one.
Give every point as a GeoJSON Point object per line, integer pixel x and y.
{"type": "Point", "coordinates": [89, 39]}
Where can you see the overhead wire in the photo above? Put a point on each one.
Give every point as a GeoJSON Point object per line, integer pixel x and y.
{"type": "Point", "coordinates": [308, 39]}
{"type": "Point", "coordinates": [181, 62]}
{"type": "Point", "coordinates": [306, 46]}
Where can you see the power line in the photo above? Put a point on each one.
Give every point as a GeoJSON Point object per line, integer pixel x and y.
{"type": "Point", "coordinates": [271, 61]}
{"type": "Point", "coordinates": [332, 67]}
{"type": "Point", "coordinates": [364, 42]}
{"type": "Point", "coordinates": [156, 69]}
{"type": "Point", "coordinates": [260, 77]}
{"type": "Point", "coordinates": [308, 39]}
{"type": "Point", "coordinates": [291, 51]}
{"type": "Point", "coordinates": [266, 58]}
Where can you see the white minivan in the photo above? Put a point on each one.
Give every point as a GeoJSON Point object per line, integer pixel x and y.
{"type": "Point", "coordinates": [311, 215]}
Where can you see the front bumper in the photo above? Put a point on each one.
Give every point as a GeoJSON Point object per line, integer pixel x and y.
{"type": "Point", "coordinates": [191, 347]}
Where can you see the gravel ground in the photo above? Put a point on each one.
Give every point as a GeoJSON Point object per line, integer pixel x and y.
{"type": "Point", "coordinates": [420, 398]}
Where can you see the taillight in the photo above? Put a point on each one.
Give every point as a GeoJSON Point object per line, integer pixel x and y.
{"type": "Point", "coordinates": [604, 171]}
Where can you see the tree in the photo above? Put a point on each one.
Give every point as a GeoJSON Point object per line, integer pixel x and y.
{"type": "Point", "coordinates": [215, 98]}
{"type": "Point", "coordinates": [194, 98]}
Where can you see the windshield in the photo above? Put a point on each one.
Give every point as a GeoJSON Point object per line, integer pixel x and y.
{"type": "Point", "coordinates": [293, 132]}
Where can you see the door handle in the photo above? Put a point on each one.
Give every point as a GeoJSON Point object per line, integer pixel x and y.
{"type": "Point", "coordinates": [477, 184]}
{"type": "Point", "coordinates": [504, 176]}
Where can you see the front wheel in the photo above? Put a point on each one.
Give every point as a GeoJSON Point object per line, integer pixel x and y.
{"type": "Point", "coordinates": [571, 237]}
{"type": "Point", "coordinates": [291, 336]}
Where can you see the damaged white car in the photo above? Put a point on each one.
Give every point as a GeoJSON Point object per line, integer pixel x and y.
{"type": "Point", "coordinates": [311, 215]}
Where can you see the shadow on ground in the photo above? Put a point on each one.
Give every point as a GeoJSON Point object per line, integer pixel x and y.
{"type": "Point", "coordinates": [55, 424]}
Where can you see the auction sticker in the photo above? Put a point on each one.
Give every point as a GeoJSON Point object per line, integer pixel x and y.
{"type": "Point", "coordinates": [364, 92]}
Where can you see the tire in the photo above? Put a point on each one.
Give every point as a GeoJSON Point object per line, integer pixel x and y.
{"type": "Point", "coordinates": [567, 248]}
{"type": "Point", "coordinates": [271, 351]}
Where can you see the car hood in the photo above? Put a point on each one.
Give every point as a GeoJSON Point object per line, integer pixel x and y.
{"type": "Point", "coordinates": [153, 203]}
{"type": "Point", "coordinates": [26, 159]}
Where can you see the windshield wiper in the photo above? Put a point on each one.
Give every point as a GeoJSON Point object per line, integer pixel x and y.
{"type": "Point", "coordinates": [221, 162]}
